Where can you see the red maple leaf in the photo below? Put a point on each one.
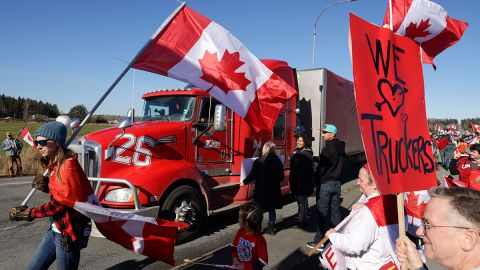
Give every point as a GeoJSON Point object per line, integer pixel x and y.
{"type": "Point", "coordinates": [222, 74]}
{"type": "Point", "coordinates": [413, 31]}
{"type": "Point", "coordinates": [412, 206]}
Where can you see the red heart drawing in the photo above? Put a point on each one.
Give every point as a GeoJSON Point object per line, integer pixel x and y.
{"type": "Point", "coordinates": [393, 96]}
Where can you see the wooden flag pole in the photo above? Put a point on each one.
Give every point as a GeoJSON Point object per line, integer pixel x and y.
{"type": "Point", "coordinates": [401, 222]}
{"type": "Point", "coordinates": [338, 227]}
{"type": "Point", "coordinates": [319, 244]}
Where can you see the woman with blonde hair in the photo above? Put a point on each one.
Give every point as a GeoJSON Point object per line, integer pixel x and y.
{"type": "Point", "coordinates": [267, 172]}
{"type": "Point", "coordinates": [68, 230]}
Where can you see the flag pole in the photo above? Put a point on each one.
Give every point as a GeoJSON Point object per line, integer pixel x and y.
{"type": "Point", "coordinates": [401, 222]}
{"type": "Point", "coordinates": [152, 38]}
{"type": "Point", "coordinates": [391, 14]}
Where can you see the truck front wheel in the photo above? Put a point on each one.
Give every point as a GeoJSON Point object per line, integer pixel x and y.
{"type": "Point", "coordinates": [184, 204]}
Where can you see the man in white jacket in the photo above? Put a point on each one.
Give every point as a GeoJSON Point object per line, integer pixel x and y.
{"type": "Point", "coordinates": [367, 240]}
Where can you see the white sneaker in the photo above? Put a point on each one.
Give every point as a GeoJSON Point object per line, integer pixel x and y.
{"type": "Point", "coordinates": [312, 244]}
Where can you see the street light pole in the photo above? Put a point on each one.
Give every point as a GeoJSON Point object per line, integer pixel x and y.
{"type": "Point", "coordinates": [315, 26]}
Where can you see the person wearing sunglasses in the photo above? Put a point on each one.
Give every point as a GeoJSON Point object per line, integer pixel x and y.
{"type": "Point", "coordinates": [68, 230]}
{"type": "Point", "coordinates": [450, 230]}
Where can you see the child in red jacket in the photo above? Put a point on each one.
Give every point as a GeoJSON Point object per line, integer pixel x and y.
{"type": "Point", "coordinates": [249, 246]}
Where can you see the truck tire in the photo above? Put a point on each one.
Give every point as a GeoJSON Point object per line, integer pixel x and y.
{"type": "Point", "coordinates": [184, 204]}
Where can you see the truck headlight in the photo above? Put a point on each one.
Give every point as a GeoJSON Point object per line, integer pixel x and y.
{"type": "Point", "coordinates": [120, 195]}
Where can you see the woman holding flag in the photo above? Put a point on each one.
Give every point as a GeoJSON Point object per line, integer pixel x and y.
{"type": "Point", "coordinates": [69, 230]}
{"type": "Point", "coordinates": [367, 239]}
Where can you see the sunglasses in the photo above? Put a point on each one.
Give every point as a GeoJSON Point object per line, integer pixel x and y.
{"type": "Point", "coordinates": [41, 143]}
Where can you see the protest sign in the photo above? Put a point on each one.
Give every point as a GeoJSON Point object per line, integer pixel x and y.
{"type": "Point", "coordinates": [390, 100]}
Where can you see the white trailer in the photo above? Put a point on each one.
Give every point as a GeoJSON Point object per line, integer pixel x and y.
{"type": "Point", "coordinates": [326, 98]}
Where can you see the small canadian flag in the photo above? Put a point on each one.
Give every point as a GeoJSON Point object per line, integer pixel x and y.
{"type": "Point", "coordinates": [475, 127]}
{"type": "Point", "coordinates": [25, 134]}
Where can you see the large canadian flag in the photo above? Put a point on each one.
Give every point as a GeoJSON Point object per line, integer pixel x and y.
{"type": "Point", "coordinates": [194, 49]}
{"type": "Point", "coordinates": [25, 134]}
{"type": "Point", "coordinates": [152, 237]}
{"type": "Point", "coordinates": [427, 23]}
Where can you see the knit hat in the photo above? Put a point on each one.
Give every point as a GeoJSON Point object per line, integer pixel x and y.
{"type": "Point", "coordinates": [54, 131]}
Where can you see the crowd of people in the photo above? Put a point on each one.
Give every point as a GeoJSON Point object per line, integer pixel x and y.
{"type": "Point", "coordinates": [368, 238]}
{"type": "Point", "coordinates": [460, 156]}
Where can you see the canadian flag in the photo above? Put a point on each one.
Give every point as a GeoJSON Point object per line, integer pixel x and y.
{"type": "Point", "coordinates": [152, 237]}
{"type": "Point", "coordinates": [438, 129]}
{"type": "Point", "coordinates": [453, 126]}
{"type": "Point", "coordinates": [415, 202]}
{"type": "Point", "coordinates": [427, 23]}
{"type": "Point", "coordinates": [452, 182]}
{"type": "Point", "coordinates": [475, 127]}
{"type": "Point", "coordinates": [25, 134]}
{"type": "Point", "coordinates": [194, 49]}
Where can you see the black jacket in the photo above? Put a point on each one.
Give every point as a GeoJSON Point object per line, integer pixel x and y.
{"type": "Point", "coordinates": [332, 159]}
{"type": "Point", "coordinates": [301, 172]}
{"type": "Point", "coordinates": [267, 174]}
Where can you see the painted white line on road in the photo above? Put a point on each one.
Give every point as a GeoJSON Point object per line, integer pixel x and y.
{"type": "Point", "coordinates": [15, 183]}
{"type": "Point", "coordinates": [7, 228]}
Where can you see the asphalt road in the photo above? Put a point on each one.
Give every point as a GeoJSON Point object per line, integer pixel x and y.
{"type": "Point", "coordinates": [18, 240]}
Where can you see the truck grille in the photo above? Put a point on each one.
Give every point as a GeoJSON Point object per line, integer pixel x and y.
{"type": "Point", "coordinates": [92, 158]}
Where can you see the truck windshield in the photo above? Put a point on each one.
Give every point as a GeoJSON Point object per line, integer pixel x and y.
{"type": "Point", "coordinates": [169, 108]}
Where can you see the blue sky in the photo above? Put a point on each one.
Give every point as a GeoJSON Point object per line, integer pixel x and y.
{"type": "Point", "coordinates": [66, 52]}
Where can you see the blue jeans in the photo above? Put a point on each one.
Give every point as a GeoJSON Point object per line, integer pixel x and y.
{"type": "Point", "coordinates": [328, 200]}
{"type": "Point", "coordinates": [302, 202]}
{"type": "Point", "coordinates": [272, 216]}
{"type": "Point", "coordinates": [50, 249]}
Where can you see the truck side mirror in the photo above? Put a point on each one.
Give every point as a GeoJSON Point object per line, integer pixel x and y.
{"type": "Point", "coordinates": [131, 114]}
{"type": "Point", "coordinates": [219, 117]}
{"type": "Point", "coordinates": [125, 122]}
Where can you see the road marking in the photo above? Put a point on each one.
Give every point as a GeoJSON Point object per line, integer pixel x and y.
{"type": "Point", "coordinates": [6, 228]}
{"type": "Point", "coordinates": [15, 183]}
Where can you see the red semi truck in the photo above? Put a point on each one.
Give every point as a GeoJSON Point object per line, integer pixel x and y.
{"type": "Point", "coordinates": [183, 159]}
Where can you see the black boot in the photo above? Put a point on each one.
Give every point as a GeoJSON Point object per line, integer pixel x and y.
{"type": "Point", "coordinates": [270, 229]}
